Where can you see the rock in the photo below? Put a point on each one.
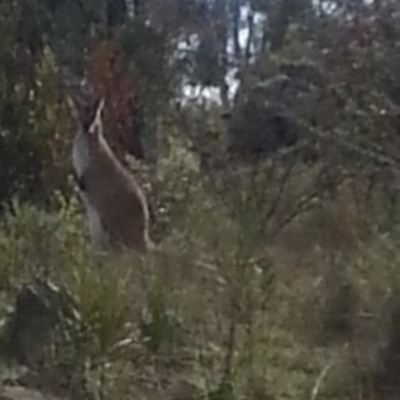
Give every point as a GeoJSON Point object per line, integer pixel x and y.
{"type": "Point", "coordinates": [30, 328]}
{"type": "Point", "coordinates": [271, 114]}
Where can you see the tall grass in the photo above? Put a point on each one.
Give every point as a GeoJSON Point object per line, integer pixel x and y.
{"type": "Point", "coordinates": [230, 308]}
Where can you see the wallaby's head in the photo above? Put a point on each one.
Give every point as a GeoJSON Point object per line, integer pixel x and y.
{"type": "Point", "coordinates": [86, 113]}
{"type": "Point", "coordinates": [89, 143]}
{"type": "Point", "coordinates": [88, 118]}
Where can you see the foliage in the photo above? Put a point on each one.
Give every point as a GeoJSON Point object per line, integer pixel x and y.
{"type": "Point", "coordinates": [275, 275]}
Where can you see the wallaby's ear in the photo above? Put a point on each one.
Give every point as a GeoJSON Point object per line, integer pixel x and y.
{"type": "Point", "coordinates": [99, 111]}
{"type": "Point", "coordinates": [96, 125]}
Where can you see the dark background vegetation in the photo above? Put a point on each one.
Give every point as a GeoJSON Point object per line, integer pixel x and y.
{"type": "Point", "coordinates": [266, 135]}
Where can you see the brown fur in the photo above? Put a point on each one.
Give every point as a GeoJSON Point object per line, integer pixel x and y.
{"type": "Point", "coordinates": [112, 191]}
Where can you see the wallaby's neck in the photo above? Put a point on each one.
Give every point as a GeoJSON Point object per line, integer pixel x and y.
{"type": "Point", "coordinates": [86, 153]}
{"type": "Point", "coordinates": [80, 153]}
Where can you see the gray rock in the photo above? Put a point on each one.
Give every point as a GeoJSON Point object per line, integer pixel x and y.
{"type": "Point", "coordinates": [30, 328]}
{"type": "Point", "coordinates": [270, 114]}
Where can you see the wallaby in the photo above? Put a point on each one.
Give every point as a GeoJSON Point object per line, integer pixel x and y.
{"type": "Point", "coordinates": [117, 210]}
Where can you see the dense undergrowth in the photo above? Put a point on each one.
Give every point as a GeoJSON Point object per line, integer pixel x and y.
{"type": "Point", "coordinates": [226, 309]}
